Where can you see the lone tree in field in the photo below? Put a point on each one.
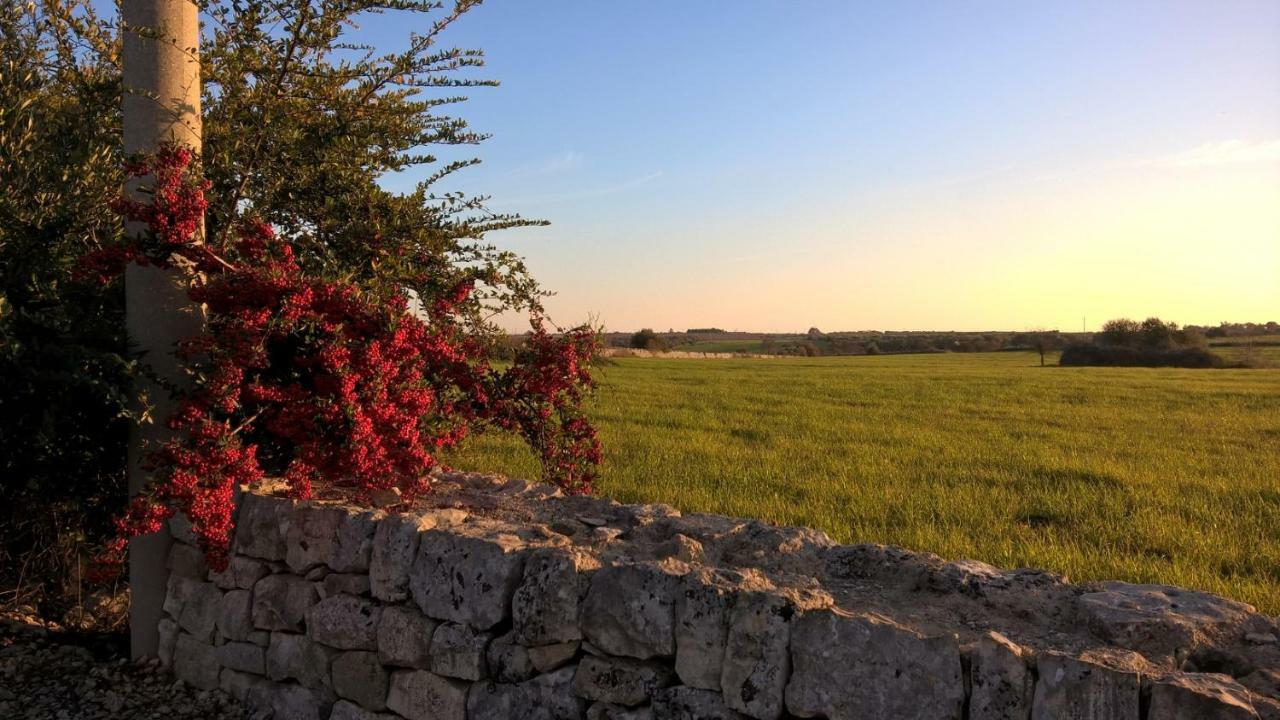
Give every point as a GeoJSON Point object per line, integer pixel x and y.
{"type": "Point", "coordinates": [1043, 342]}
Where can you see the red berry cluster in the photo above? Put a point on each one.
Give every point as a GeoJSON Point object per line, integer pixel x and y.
{"type": "Point", "coordinates": [318, 380]}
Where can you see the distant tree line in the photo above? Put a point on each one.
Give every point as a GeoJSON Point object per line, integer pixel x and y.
{"type": "Point", "coordinates": [1150, 343]}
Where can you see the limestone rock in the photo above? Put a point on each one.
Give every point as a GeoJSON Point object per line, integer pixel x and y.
{"type": "Point", "coordinates": [1200, 696]}
{"type": "Point", "coordinates": [339, 538]}
{"type": "Point", "coordinates": [619, 680]}
{"type": "Point", "coordinates": [1158, 619]}
{"type": "Point", "coordinates": [609, 711]}
{"type": "Point", "coordinates": [420, 695]}
{"type": "Point", "coordinates": [241, 573]}
{"type": "Point", "coordinates": [395, 544]}
{"type": "Point", "coordinates": [235, 615]}
{"type": "Point", "coordinates": [243, 657]}
{"type": "Point", "coordinates": [293, 702]}
{"type": "Point", "coordinates": [1078, 689]}
{"type": "Point", "coordinates": [168, 632]}
{"type": "Point", "coordinates": [343, 710]}
{"type": "Point", "coordinates": [546, 658]}
{"type": "Point", "coordinates": [346, 622]}
{"type": "Point", "coordinates": [238, 685]}
{"type": "Point", "coordinates": [194, 605]}
{"type": "Point", "coordinates": [850, 667]}
{"type": "Point", "coordinates": [686, 703]}
{"type": "Point", "coordinates": [180, 529]}
{"type": "Point", "coordinates": [1001, 683]}
{"type": "Point", "coordinates": [546, 605]}
{"type": "Point", "coordinates": [358, 676]}
{"type": "Point", "coordinates": [508, 661]}
{"type": "Point", "coordinates": [458, 651]}
{"type": "Point", "coordinates": [630, 611]}
{"type": "Point", "coordinates": [195, 662]}
{"type": "Point", "coordinates": [280, 602]}
{"type": "Point", "coordinates": [404, 637]}
{"type": "Point", "coordinates": [262, 523]}
{"type": "Point", "coordinates": [345, 584]}
{"type": "Point", "coordinates": [467, 578]}
{"type": "Point", "coordinates": [296, 657]}
{"type": "Point", "coordinates": [186, 561]}
{"type": "Point", "coordinates": [756, 661]}
{"type": "Point", "coordinates": [545, 697]}
{"type": "Point", "coordinates": [702, 626]}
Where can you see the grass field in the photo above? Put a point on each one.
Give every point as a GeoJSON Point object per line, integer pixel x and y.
{"type": "Point", "coordinates": [1164, 475]}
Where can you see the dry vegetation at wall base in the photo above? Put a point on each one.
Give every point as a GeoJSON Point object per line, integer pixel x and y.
{"type": "Point", "coordinates": [1138, 474]}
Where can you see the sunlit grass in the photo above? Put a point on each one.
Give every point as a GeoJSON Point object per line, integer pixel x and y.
{"type": "Point", "coordinates": [1163, 475]}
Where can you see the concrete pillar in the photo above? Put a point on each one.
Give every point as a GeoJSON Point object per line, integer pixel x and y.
{"type": "Point", "coordinates": [161, 103]}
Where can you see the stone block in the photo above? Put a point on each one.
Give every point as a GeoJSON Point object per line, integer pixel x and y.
{"type": "Point", "coordinates": [851, 667]}
{"type": "Point", "coordinates": [609, 711]}
{"type": "Point", "coordinates": [186, 561]}
{"type": "Point", "coordinates": [458, 651]}
{"type": "Point", "coordinates": [395, 544]}
{"type": "Point", "coordinates": [168, 632]}
{"type": "Point", "coordinates": [702, 626]}
{"type": "Point", "coordinates": [630, 611]}
{"type": "Point", "coordinates": [241, 573]}
{"type": "Point", "coordinates": [404, 637]}
{"type": "Point", "coordinates": [294, 702]}
{"type": "Point", "coordinates": [756, 662]}
{"type": "Point", "coordinates": [338, 538]}
{"type": "Point", "coordinates": [1159, 620]}
{"type": "Point", "coordinates": [1001, 683]}
{"type": "Point", "coordinates": [621, 681]}
{"type": "Point", "coordinates": [296, 657]}
{"type": "Point", "coordinates": [262, 524]}
{"type": "Point", "coordinates": [195, 606]}
{"type": "Point", "coordinates": [509, 662]}
{"type": "Point", "coordinates": [239, 685]}
{"type": "Point", "coordinates": [280, 602]}
{"type": "Point", "coordinates": [687, 703]}
{"type": "Point", "coordinates": [1070, 688]}
{"type": "Point", "coordinates": [343, 710]}
{"type": "Point", "coordinates": [195, 662]}
{"type": "Point", "coordinates": [546, 658]}
{"type": "Point", "coordinates": [235, 615]}
{"type": "Point", "coordinates": [545, 697]}
{"type": "Point", "coordinates": [1200, 696]}
{"type": "Point", "coordinates": [242, 657]}
{"type": "Point", "coordinates": [345, 584]}
{"type": "Point", "coordinates": [421, 695]}
{"type": "Point", "coordinates": [358, 676]}
{"type": "Point", "coordinates": [346, 622]}
{"type": "Point", "coordinates": [546, 605]}
{"type": "Point", "coordinates": [467, 578]}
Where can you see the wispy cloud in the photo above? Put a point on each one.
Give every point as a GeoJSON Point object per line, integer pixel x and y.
{"type": "Point", "coordinates": [564, 162]}
{"type": "Point", "coordinates": [590, 193]}
{"type": "Point", "coordinates": [1223, 152]}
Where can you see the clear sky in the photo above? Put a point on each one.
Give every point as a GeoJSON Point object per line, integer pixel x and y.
{"type": "Point", "coordinates": [891, 165]}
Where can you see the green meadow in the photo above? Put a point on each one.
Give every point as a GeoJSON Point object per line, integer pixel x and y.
{"type": "Point", "coordinates": [1146, 475]}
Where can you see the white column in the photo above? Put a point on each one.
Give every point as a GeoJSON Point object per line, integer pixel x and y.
{"type": "Point", "coordinates": [161, 103]}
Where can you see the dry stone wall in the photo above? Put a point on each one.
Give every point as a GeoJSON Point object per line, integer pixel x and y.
{"type": "Point", "coordinates": [508, 602]}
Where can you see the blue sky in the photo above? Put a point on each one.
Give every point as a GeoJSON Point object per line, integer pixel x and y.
{"type": "Point", "coordinates": [850, 165]}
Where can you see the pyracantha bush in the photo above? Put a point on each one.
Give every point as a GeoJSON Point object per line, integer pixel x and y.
{"type": "Point", "coordinates": [318, 380]}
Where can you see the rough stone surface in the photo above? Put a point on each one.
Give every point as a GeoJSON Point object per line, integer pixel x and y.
{"type": "Point", "coordinates": [358, 676]}
{"type": "Point", "coordinates": [404, 637]}
{"type": "Point", "coordinates": [547, 603]}
{"type": "Point", "coordinates": [1082, 690]}
{"type": "Point", "coordinates": [235, 615]}
{"type": "Point", "coordinates": [344, 710]}
{"type": "Point", "coordinates": [467, 578]}
{"type": "Point", "coordinates": [508, 661]}
{"type": "Point", "coordinates": [261, 525]}
{"type": "Point", "coordinates": [421, 695]}
{"type": "Point", "coordinates": [345, 584]}
{"type": "Point", "coordinates": [168, 631]}
{"type": "Point", "coordinates": [1200, 696]}
{"type": "Point", "coordinates": [241, 573]}
{"type": "Point", "coordinates": [702, 626]}
{"type": "Point", "coordinates": [296, 657]}
{"type": "Point", "coordinates": [630, 611]}
{"type": "Point", "coordinates": [186, 561]}
{"type": "Point", "coordinates": [546, 658]}
{"type": "Point", "coordinates": [195, 662]}
{"type": "Point", "coordinates": [609, 711]}
{"type": "Point", "coordinates": [338, 538]}
{"type": "Point", "coordinates": [195, 606]}
{"type": "Point", "coordinates": [849, 667]}
{"type": "Point", "coordinates": [686, 703]}
{"type": "Point", "coordinates": [346, 622]}
{"type": "Point", "coordinates": [244, 657]}
{"type": "Point", "coordinates": [458, 651]}
{"type": "Point", "coordinates": [280, 602]}
{"type": "Point", "coordinates": [1158, 619]}
{"type": "Point", "coordinates": [620, 681]}
{"type": "Point", "coordinates": [757, 662]}
{"type": "Point", "coordinates": [238, 684]}
{"type": "Point", "coordinates": [545, 697]}
{"type": "Point", "coordinates": [1000, 681]}
{"type": "Point", "coordinates": [395, 544]}
{"type": "Point", "coordinates": [293, 702]}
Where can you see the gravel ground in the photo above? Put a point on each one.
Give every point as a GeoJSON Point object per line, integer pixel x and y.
{"type": "Point", "coordinates": [56, 676]}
